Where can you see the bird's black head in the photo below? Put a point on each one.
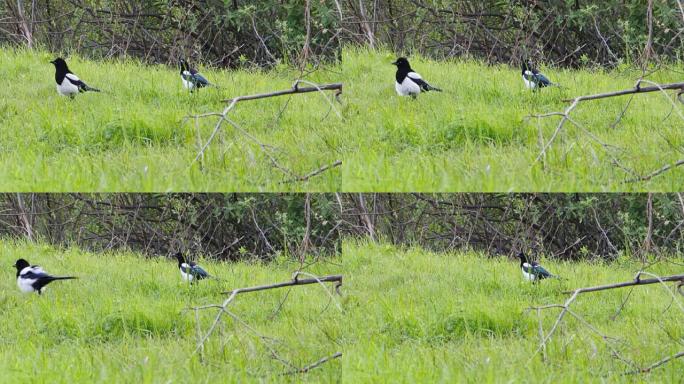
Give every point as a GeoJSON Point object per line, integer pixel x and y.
{"type": "Point", "coordinates": [21, 264]}
{"type": "Point", "coordinates": [522, 257]}
{"type": "Point", "coordinates": [525, 64]}
{"type": "Point", "coordinates": [179, 256]}
{"type": "Point", "coordinates": [60, 63]}
{"type": "Point", "coordinates": [183, 65]}
{"type": "Point", "coordinates": [402, 62]}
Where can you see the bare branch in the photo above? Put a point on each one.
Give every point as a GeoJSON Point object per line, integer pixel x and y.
{"type": "Point", "coordinates": [657, 172]}
{"type": "Point", "coordinates": [222, 309]}
{"type": "Point", "coordinates": [267, 149]}
{"type": "Point", "coordinates": [320, 170]}
{"type": "Point", "coordinates": [657, 364]}
{"type": "Point", "coordinates": [575, 294]}
{"type": "Point", "coordinates": [295, 281]}
{"type": "Point", "coordinates": [294, 90]}
{"type": "Point", "coordinates": [316, 364]}
{"type": "Point", "coordinates": [636, 281]}
{"type": "Point", "coordinates": [636, 89]}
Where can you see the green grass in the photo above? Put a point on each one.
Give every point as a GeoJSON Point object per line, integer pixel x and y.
{"type": "Point", "coordinates": [415, 316]}
{"type": "Point", "coordinates": [131, 137]}
{"type": "Point", "coordinates": [474, 136]}
{"type": "Point", "coordinates": [123, 321]}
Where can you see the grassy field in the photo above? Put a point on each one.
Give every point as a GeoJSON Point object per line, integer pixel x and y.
{"type": "Point", "coordinates": [474, 136]}
{"type": "Point", "coordinates": [123, 321]}
{"type": "Point", "coordinates": [417, 317]}
{"type": "Point", "coordinates": [131, 137]}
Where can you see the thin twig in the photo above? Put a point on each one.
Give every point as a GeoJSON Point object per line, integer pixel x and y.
{"type": "Point", "coordinates": [320, 170]}
{"type": "Point", "coordinates": [636, 89]}
{"type": "Point", "coordinates": [636, 281]}
{"type": "Point", "coordinates": [316, 364]}
{"type": "Point", "coordinates": [322, 279]}
{"type": "Point", "coordinates": [267, 149]}
{"type": "Point", "coordinates": [657, 172]}
{"type": "Point", "coordinates": [657, 364]}
{"type": "Point", "coordinates": [294, 90]}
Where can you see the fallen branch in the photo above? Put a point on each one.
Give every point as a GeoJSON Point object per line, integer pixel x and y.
{"type": "Point", "coordinates": [316, 364]}
{"type": "Point", "coordinates": [294, 90]}
{"type": "Point", "coordinates": [657, 172]}
{"type": "Point", "coordinates": [267, 149]}
{"type": "Point", "coordinates": [222, 309]}
{"type": "Point", "coordinates": [565, 309]}
{"type": "Point", "coordinates": [637, 281]}
{"type": "Point", "coordinates": [636, 89]}
{"type": "Point", "coordinates": [320, 170]}
{"type": "Point", "coordinates": [657, 364]}
{"type": "Point", "coordinates": [294, 281]}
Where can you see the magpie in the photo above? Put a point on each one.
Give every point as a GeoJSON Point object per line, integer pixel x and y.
{"type": "Point", "coordinates": [533, 78]}
{"type": "Point", "coordinates": [68, 84]}
{"type": "Point", "coordinates": [531, 270]}
{"type": "Point", "coordinates": [410, 83]}
{"type": "Point", "coordinates": [190, 77]}
{"type": "Point", "coordinates": [189, 270]}
{"type": "Point", "coordinates": [32, 278]}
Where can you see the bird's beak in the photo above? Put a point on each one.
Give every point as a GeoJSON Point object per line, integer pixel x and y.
{"type": "Point", "coordinates": [394, 63]}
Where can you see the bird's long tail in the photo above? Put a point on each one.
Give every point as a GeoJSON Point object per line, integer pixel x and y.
{"type": "Point", "coordinates": [91, 89]}
{"type": "Point", "coordinates": [432, 88]}
{"type": "Point", "coordinates": [63, 277]}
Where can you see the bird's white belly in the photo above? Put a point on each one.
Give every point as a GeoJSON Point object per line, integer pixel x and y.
{"type": "Point", "coordinates": [187, 84]}
{"type": "Point", "coordinates": [407, 87]}
{"type": "Point", "coordinates": [67, 88]}
{"type": "Point", "coordinates": [186, 276]}
{"type": "Point", "coordinates": [25, 286]}
{"type": "Point", "coordinates": [529, 276]}
{"type": "Point", "coordinates": [529, 84]}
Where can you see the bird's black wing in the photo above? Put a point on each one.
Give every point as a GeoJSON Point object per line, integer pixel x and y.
{"type": "Point", "coordinates": [200, 80]}
{"type": "Point", "coordinates": [537, 78]}
{"type": "Point", "coordinates": [542, 80]}
{"type": "Point", "coordinates": [198, 272]}
{"type": "Point", "coordinates": [34, 274]}
{"type": "Point", "coordinates": [191, 268]}
{"type": "Point", "coordinates": [540, 272]}
{"type": "Point", "coordinates": [82, 86]}
{"type": "Point", "coordinates": [195, 78]}
{"type": "Point", "coordinates": [40, 277]}
{"type": "Point", "coordinates": [422, 83]}
{"type": "Point", "coordinates": [534, 268]}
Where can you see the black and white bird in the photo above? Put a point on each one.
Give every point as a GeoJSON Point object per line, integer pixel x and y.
{"type": "Point", "coordinates": [531, 270]}
{"type": "Point", "coordinates": [533, 78]}
{"type": "Point", "coordinates": [32, 278]}
{"type": "Point", "coordinates": [189, 270]}
{"type": "Point", "coordinates": [190, 77]}
{"type": "Point", "coordinates": [69, 84]}
{"type": "Point", "coordinates": [408, 82]}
